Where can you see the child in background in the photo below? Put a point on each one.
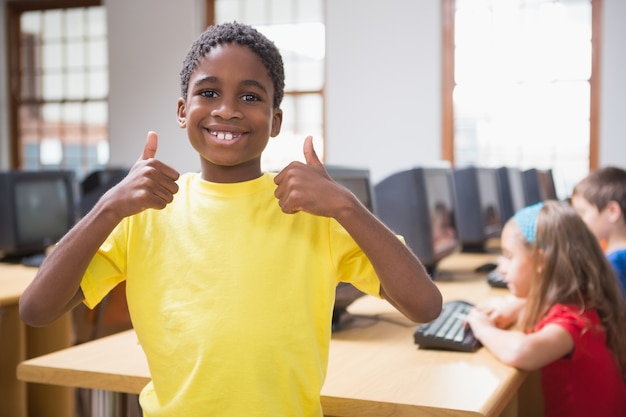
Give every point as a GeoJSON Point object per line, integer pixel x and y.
{"type": "Point", "coordinates": [600, 199]}
{"type": "Point", "coordinates": [573, 324]}
{"type": "Point", "coordinates": [231, 272]}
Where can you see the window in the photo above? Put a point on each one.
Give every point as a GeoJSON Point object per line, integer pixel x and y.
{"type": "Point", "coordinates": [520, 86]}
{"type": "Point", "coordinates": [59, 78]}
{"type": "Point", "coordinates": [297, 28]}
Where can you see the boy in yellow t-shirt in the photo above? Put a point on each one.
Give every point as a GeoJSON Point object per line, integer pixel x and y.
{"type": "Point", "coordinates": [230, 272]}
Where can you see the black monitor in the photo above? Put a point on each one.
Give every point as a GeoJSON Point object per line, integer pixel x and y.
{"type": "Point", "coordinates": [511, 189]}
{"type": "Point", "coordinates": [478, 206]}
{"type": "Point", "coordinates": [532, 189]}
{"type": "Point", "coordinates": [516, 183]}
{"type": "Point", "coordinates": [546, 184]}
{"type": "Point", "coordinates": [418, 204]}
{"type": "Point", "coordinates": [94, 185]}
{"type": "Point", "coordinates": [357, 180]}
{"type": "Point", "coordinates": [36, 209]}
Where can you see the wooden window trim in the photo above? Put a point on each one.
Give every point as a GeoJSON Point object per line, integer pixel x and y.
{"type": "Point", "coordinates": [13, 11]}
{"type": "Point", "coordinates": [447, 108]}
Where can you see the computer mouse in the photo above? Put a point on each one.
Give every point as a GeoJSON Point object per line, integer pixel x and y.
{"type": "Point", "coordinates": [488, 267]}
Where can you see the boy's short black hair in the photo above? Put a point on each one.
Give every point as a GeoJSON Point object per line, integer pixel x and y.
{"type": "Point", "coordinates": [603, 186]}
{"type": "Point", "coordinates": [241, 34]}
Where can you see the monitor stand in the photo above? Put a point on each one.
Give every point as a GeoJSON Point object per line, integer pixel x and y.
{"type": "Point", "coordinates": [341, 319]}
{"type": "Point", "coordinates": [345, 294]}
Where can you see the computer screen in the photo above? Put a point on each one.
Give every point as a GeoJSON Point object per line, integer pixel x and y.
{"type": "Point", "coordinates": [478, 206]}
{"type": "Point", "coordinates": [546, 184]}
{"type": "Point", "coordinates": [440, 197]}
{"type": "Point", "coordinates": [418, 204]}
{"type": "Point", "coordinates": [511, 189]}
{"type": "Point", "coordinates": [357, 180]}
{"type": "Point", "coordinates": [36, 209]}
{"type": "Point", "coordinates": [94, 185]}
{"type": "Point", "coordinates": [532, 189]}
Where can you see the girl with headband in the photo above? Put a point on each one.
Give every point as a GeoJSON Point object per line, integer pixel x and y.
{"type": "Point", "coordinates": [573, 324]}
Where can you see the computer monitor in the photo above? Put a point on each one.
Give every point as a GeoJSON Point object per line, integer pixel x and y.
{"type": "Point", "coordinates": [478, 206]}
{"type": "Point", "coordinates": [511, 189]}
{"type": "Point", "coordinates": [357, 180]}
{"type": "Point", "coordinates": [546, 184]}
{"type": "Point", "coordinates": [36, 209]}
{"type": "Point", "coordinates": [94, 185]}
{"type": "Point", "coordinates": [532, 189]}
{"type": "Point", "coordinates": [418, 204]}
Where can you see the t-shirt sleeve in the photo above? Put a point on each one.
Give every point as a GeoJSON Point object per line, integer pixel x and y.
{"type": "Point", "coordinates": [353, 265]}
{"type": "Point", "coordinates": [106, 268]}
{"type": "Point", "coordinates": [568, 317]}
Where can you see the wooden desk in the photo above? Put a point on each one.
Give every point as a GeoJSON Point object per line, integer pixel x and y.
{"type": "Point", "coordinates": [19, 342]}
{"type": "Point", "coordinates": [375, 369]}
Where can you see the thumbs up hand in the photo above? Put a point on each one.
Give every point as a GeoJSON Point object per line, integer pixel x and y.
{"type": "Point", "coordinates": [308, 187]}
{"type": "Point", "coordinates": [310, 156]}
{"type": "Point", "coordinates": [150, 183]}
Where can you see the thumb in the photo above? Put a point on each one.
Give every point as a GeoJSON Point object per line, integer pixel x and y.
{"type": "Point", "coordinates": [150, 148]}
{"type": "Point", "coordinates": [310, 156]}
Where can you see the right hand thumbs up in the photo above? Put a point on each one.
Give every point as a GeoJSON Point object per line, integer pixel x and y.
{"type": "Point", "coordinates": [150, 148]}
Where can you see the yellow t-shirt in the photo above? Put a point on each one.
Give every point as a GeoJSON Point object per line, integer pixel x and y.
{"type": "Point", "coordinates": [231, 299]}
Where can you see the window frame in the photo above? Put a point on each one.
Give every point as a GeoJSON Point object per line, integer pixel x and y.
{"type": "Point", "coordinates": [14, 9]}
{"type": "Point", "coordinates": [448, 83]}
{"type": "Point", "coordinates": [209, 19]}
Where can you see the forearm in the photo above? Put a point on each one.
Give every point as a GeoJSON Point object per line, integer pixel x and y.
{"type": "Point", "coordinates": [506, 345]}
{"type": "Point", "coordinates": [404, 280]}
{"type": "Point", "coordinates": [56, 287]}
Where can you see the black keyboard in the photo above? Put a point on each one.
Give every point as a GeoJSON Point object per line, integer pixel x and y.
{"type": "Point", "coordinates": [496, 280]}
{"type": "Point", "coordinates": [448, 331]}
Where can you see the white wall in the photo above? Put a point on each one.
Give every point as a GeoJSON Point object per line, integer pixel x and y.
{"type": "Point", "coordinates": [383, 85]}
{"type": "Point", "coordinates": [383, 81]}
{"type": "Point", "coordinates": [613, 85]}
{"type": "Point", "coordinates": [147, 45]}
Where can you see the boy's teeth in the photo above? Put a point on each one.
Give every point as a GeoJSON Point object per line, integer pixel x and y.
{"type": "Point", "coordinates": [225, 136]}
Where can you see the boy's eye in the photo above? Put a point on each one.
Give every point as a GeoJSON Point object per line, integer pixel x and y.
{"type": "Point", "coordinates": [208, 93]}
{"type": "Point", "coordinates": [250, 97]}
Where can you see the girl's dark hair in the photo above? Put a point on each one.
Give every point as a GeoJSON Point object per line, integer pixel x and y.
{"type": "Point", "coordinates": [574, 270]}
{"type": "Point", "coordinates": [241, 34]}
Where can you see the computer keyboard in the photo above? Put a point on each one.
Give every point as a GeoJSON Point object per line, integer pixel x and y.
{"type": "Point", "coordinates": [496, 280]}
{"type": "Point", "coordinates": [448, 331]}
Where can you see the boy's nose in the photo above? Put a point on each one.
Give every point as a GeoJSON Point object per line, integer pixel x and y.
{"type": "Point", "coordinates": [227, 109]}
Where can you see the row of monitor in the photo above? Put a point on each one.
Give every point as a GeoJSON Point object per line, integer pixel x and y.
{"type": "Point", "coordinates": [38, 207]}
{"type": "Point", "coordinates": [442, 210]}
{"type": "Point", "coordinates": [438, 210]}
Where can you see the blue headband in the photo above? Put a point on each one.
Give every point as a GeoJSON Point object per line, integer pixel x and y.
{"type": "Point", "coordinates": [526, 219]}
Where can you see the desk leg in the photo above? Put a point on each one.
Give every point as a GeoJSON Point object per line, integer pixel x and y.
{"type": "Point", "coordinates": [511, 410]}
{"type": "Point", "coordinates": [12, 352]}
{"type": "Point", "coordinates": [108, 404]}
{"type": "Point", "coordinates": [39, 341]}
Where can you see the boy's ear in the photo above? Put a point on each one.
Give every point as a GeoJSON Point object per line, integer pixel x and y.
{"type": "Point", "coordinates": [614, 211]}
{"type": "Point", "coordinates": [181, 113]}
{"type": "Point", "coordinates": [277, 121]}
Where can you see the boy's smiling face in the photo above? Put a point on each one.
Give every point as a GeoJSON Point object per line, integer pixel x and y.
{"type": "Point", "coordinates": [229, 114]}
